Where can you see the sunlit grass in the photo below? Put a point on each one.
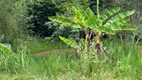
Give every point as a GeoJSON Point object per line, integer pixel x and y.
{"type": "Point", "coordinates": [124, 63]}
{"type": "Point", "coordinates": [43, 46]}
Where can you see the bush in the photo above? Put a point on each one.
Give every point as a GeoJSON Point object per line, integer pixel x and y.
{"type": "Point", "coordinates": [38, 13]}
{"type": "Point", "coordinates": [12, 19]}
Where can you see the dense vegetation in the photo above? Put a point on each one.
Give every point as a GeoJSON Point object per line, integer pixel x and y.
{"type": "Point", "coordinates": [103, 42]}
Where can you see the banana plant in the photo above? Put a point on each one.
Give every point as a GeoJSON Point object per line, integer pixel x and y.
{"type": "Point", "coordinates": [108, 23]}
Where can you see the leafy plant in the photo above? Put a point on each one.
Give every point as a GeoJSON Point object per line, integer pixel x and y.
{"type": "Point", "coordinates": [109, 23]}
{"type": "Point", "coordinates": [5, 49]}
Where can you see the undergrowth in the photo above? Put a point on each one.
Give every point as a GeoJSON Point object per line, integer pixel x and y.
{"type": "Point", "coordinates": [123, 63]}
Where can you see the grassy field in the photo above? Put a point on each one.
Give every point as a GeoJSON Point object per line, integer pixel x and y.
{"type": "Point", "coordinates": [37, 44]}
{"type": "Point", "coordinates": [124, 63]}
{"type": "Point", "coordinates": [40, 46]}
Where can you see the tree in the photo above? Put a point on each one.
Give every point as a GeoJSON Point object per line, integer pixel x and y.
{"type": "Point", "coordinates": [108, 23]}
{"type": "Point", "coordinates": [65, 5]}
{"type": "Point", "coordinates": [12, 15]}
{"type": "Point", "coordinates": [38, 13]}
{"type": "Point", "coordinates": [40, 10]}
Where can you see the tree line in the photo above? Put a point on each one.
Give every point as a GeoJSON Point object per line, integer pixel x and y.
{"type": "Point", "coordinates": [31, 16]}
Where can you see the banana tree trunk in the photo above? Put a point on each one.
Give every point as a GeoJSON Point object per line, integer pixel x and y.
{"type": "Point", "coordinates": [98, 44]}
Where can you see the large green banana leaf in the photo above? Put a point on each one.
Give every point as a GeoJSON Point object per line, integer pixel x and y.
{"type": "Point", "coordinates": [120, 16]}
{"type": "Point", "coordinates": [109, 13]}
{"type": "Point", "coordinates": [86, 19]}
{"type": "Point", "coordinates": [65, 21]}
{"type": "Point", "coordinates": [70, 42]}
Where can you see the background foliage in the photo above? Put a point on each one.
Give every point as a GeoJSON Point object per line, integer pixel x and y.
{"type": "Point", "coordinates": [12, 18]}
{"type": "Point", "coordinates": [136, 19]}
{"type": "Point", "coordinates": [17, 17]}
{"type": "Point", "coordinates": [31, 16]}
{"type": "Point", "coordinates": [38, 13]}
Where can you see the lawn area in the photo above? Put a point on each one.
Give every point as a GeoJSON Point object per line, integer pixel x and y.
{"type": "Point", "coordinates": [43, 48]}
{"type": "Point", "coordinates": [42, 45]}
{"type": "Point", "coordinates": [125, 64]}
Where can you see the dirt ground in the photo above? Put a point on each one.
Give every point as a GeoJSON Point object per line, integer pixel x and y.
{"type": "Point", "coordinates": [72, 51]}
{"type": "Point", "coordinates": [140, 49]}
{"type": "Point", "coordinates": [57, 51]}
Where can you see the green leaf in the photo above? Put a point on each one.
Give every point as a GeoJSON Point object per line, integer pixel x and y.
{"type": "Point", "coordinates": [106, 30]}
{"type": "Point", "coordinates": [65, 21]}
{"type": "Point", "coordinates": [6, 49]}
{"type": "Point", "coordinates": [80, 16]}
{"type": "Point", "coordinates": [117, 23]}
{"type": "Point", "coordinates": [70, 42]}
{"type": "Point", "coordinates": [102, 29]}
{"type": "Point", "coordinates": [91, 19]}
{"type": "Point", "coordinates": [120, 16]}
{"type": "Point", "coordinates": [74, 10]}
{"type": "Point", "coordinates": [90, 13]}
{"type": "Point", "coordinates": [109, 13]}
{"type": "Point", "coordinates": [124, 27]}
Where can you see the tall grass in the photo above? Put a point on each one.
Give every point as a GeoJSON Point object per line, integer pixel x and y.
{"type": "Point", "coordinates": [124, 63]}
{"type": "Point", "coordinates": [36, 44]}
{"type": "Point", "coordinates": [127, 61]}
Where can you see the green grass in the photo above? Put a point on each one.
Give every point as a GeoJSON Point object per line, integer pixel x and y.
{"type": "Point", "coordinates": [40, 46]}
{"type": "Point", "coordinates": [37, 44]}
{"type": "Point", "coordinates": [124, 63]}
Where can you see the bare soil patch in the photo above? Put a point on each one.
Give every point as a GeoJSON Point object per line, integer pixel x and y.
{"type": "Point", "coordinates": [140, 49]}
{"type": "Point", "coordinates": [64, 51]}
{"type": "Point", "coordinates": [56, 51]}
